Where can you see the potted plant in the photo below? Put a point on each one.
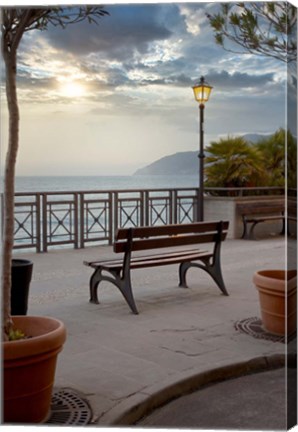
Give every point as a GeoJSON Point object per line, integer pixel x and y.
{"type": "Point", "coordinates": [278, 300]}
{"type": "Point", "coordinates": [38, 338]}
{"type": "Point", "coordinates": [29, 368]}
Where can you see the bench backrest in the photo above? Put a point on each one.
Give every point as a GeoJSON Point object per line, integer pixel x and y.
{"type": "Point", "coordinates": [262, 207]}
{"type": "Point", "coordinates": [141, 238]}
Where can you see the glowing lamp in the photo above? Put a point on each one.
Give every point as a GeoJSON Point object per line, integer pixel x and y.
{"type": "Point", "coordinates": [202, 91]}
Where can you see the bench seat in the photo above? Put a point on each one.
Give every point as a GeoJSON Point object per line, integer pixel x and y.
{"type": "Point", "coordinates": [153, 260]}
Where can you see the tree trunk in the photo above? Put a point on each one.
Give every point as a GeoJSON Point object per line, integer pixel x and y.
{"type": "Point", "coordinates": [10, 59]}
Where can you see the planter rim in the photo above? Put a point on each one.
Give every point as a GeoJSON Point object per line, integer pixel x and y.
{"type": "Point", "coordinates": [18, 262]}
{"type": "Point", "coordinates": [278, 273]}
{"type": "Point", "coordinates": [276, 279]}
{"type": "Point", "coordinates": [47, 334]}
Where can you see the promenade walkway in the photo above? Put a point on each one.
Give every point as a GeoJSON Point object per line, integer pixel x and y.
{"type": "Point", "coordinates": [125, 364]}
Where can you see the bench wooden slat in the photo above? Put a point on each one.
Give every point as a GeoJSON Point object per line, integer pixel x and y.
{"type": "Point", "coordinates": [169, 260]}
{"type": "Point", "coordinates": [156, 260]}
{"type": "Point", "coordinates": [259, 210]}
{"type": "Point", "coordinates": [167, 230]}
{"type": "Point", "coordinates": [95, 264]}
{"type": "Point", "coordinates": [263, 219]}
{"type": "Point", "coordinates": [155, 243]}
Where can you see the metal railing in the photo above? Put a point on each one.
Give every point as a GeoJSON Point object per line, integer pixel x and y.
{"type": "Point", "coordinates": [80, 218]}
{"type": "Point", "coordinates": [77, 219]}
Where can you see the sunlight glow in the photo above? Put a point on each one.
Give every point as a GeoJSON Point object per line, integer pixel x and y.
{"type": "Point", "coordinates": [72, 89]}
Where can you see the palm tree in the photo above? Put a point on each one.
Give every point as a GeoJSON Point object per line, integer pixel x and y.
{"type": "Point", "coordinates": [273, 153]}
{"type": "Point", "coordinates": [233, 162]}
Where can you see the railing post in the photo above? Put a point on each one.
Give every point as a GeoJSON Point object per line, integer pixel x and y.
{"type": "Point", "coordinates": [82, 220]}
{"type": "Point", "coordinates": [38, 223]}
{"type": "Point", "coordinates": [195, 206]}
{"type": "Point", "coordinates": [171, 207]}
{"type": "Point", "coordinates": [44, 223]}
{"type": "Point", "coordinates": [111, 209]}
{"type": "Point", "coordinates": [146, 208]}
{"type": "Point", "coordinates": [76, 221]}
{"type": "Point", "coordinates": [175, 206]}
{"type": "Point", "coordinates": [116, 212]}
{"type": "Point", "coordinates": [142, 207]}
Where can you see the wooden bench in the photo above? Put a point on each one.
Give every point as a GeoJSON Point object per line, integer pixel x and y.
{"type": "Point", "coordinates": [260, 211]}
{"type": "Point", "coordinates": [128, 240]}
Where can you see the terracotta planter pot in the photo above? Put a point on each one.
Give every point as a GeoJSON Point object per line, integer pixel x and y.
{"type": "Point", "coordinates": [278, 297]}
{"type": "Point", "coordinates": [29, 369]}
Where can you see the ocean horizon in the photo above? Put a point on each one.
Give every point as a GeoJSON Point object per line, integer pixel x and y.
{"type": "Point", "coordinates": [113, 182]}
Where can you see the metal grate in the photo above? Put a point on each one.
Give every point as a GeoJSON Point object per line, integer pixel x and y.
{"type": "Point", "coordinates": [254, 327]}
{"type": "Point", "coordinates": [68, 408]}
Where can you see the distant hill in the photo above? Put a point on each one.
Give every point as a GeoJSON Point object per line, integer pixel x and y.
{"type": "Point", "coordinates": [182, 163]}
{"type": "Point", "coordinates": [254, 138]}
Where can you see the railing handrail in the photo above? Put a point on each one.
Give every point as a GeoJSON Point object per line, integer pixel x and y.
{"type": "Point", "coordinates": [96, 191]}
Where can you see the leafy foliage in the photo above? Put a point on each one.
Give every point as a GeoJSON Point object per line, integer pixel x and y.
{"type": "Point", "coordinates": [234, 162]}
{"type": "Point", "coordinates": [273, 154]}
{"type": "Point", "coordinates": [262, 28]}
{"type": "Point", "coordinates": [16, 335]}
{"type": "Point", "coordinates": [17, 21]}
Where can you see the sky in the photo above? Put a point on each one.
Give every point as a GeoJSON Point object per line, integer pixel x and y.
{"type": "Point", "coordinates": [108, 99]}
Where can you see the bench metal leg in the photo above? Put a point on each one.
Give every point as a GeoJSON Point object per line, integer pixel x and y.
{"type": "Point", "coordinates": [182, 274]}
{"type": "Point", "coordinates": [123, 284]}
{"type": "Point", "coordinates": [94, 281]}
{"type": "Point", "coordinates": [248, 235]}
{"type": "Point", "coordinates": [213, 270]}
{"type": "Point", "coordinates": [216, 274]}
{"type": "Point", "coordinates": [126, 291]}
{"type": "Point", "coordinates": [251, 231]}
{"type": "Point", "coordinates": [244, 233]}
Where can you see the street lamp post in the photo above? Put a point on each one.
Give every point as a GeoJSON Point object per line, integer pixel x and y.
{"type": "Point", "coordinates": [202, 92]}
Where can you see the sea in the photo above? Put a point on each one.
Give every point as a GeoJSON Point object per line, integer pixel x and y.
{"type": "Point", "coordinates": [94, 183]}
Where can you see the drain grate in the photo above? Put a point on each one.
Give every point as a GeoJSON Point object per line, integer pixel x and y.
{"type": "Point", "coordinates": [254, 327]}
{"type": "Point", "coordinates": [68, 408]}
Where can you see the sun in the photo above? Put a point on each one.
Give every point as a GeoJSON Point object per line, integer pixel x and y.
{"type": "Point", "coordinates": [72, 89]}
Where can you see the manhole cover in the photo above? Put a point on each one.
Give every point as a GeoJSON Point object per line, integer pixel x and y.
{"type": "Point", "coordinates": [254, 327]}
{"type": "Point", "coordinates": [68, 408]}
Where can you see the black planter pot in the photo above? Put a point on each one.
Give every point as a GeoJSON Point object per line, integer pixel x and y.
{"type": "Point", "coordinates": [21, 273]}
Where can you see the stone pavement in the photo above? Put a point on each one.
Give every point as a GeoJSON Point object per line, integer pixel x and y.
{"type": "Point", "coordinates": [127, 365]}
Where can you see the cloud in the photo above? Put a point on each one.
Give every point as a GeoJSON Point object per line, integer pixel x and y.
{"type": "Point", "coordinates": [239, 80]}
{"type": "Point", "coordinates": [194, 17]}
{"type": "Point", "coordinates": [140, 63]}
{"type": "Point", "coordinates": [128, 29]}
